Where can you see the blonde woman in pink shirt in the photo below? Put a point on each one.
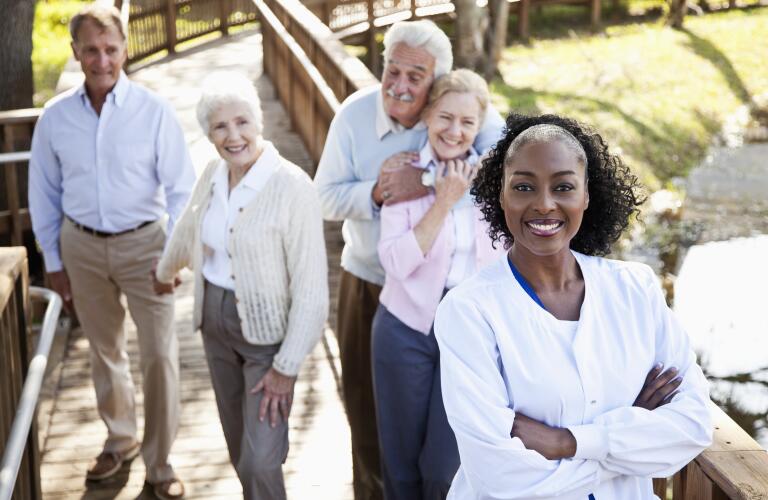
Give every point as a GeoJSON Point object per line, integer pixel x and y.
{"type": "Point", "coordinates": [427, 246]}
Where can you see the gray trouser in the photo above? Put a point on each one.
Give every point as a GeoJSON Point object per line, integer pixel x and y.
{"type": "Point", "coordinates": [256, 450]}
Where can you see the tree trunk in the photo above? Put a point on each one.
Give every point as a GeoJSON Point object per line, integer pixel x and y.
{"type": "Point", "coordinates": [496, 39]}
{"type": "Point", "coordinates": [16, 85]}
{"type": "Point", "coordinates": [471, 25]}
{"type": "Point", "coordinates": [677, 10]}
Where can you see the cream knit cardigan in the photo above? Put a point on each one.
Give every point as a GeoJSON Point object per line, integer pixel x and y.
{"type": "Point", "coordinates": [278, 260]}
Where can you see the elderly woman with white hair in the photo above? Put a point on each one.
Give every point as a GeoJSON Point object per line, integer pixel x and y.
{"type": "Point", "coordinates": [253, 235]}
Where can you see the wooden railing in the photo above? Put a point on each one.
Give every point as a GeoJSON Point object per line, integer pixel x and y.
{"type": "Point", "coordinates": [734, 467]}
{"type": "Point", "coordinates": [353, 19]}
{"type": "Point", "coordinates": [310, 70]}
{"type": "Point", "coordinates": [161, 25]}
{"type": "Point", "coordinates": [15, 354]}
{"type": "Point", "coordinates": [15, 135]}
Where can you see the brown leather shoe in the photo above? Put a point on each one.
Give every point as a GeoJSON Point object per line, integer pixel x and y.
{"type": "Point", "coordinates": [108, 463]}
{"type": "Point", "coordinates": [171, 489]}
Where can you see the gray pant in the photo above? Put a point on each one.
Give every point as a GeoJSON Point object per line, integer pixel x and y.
{"type": "Point", "coordinates": [256, 450]}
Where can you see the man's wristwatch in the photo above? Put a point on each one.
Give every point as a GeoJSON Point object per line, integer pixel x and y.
{"type": "Point", "coordinates": [428, 179]}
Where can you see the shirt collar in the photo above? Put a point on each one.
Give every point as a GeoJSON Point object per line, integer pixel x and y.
{"type": "Point", "coordinates": [260, 172]}
{"type": "Point", "coordinates": [427, 156]}
{"type": "Point", "coordinates": [257, 176]}
{"type": "Point", "coordinates": [118, 93]}
{"type": "Point", "coordinates": [385, 124]}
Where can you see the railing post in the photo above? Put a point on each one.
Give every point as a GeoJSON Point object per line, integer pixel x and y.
{"type": "Point", "coordinates": [523, 18]}
{"type": "Point", "coordinates": [374, 58]}
{"type": "Point", "coordinates": [224, 9]}
{"type": "Point", "coordinates": [413, 10]}
{"type": "Point", "coordinates": [595, 7]}
{"type": "Point", "coordinates": [170, 26]}
{"type": "Point", "coordinates": [12, 189]}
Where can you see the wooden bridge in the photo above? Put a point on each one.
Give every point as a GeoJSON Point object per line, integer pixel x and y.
{"type": "Point", "coordinates": [302, 73]}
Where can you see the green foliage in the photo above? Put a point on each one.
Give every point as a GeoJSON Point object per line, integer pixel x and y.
{"type": "Point", "coordinates": [50, 41]}
{"type": "Point", "coordinates": [658, 95]}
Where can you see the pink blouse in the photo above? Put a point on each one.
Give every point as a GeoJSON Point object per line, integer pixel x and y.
{"type": "Point", "coordinates": [415, 282]}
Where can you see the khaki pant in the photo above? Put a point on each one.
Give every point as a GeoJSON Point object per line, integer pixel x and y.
{"type": "Point", "coordinates": [358, 300]}
{"type": "Point", "coordinates": [256, 449]}
{"type": "Point", "coordinates": [99, 270]}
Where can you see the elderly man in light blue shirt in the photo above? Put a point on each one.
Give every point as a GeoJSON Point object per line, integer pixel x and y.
{"type": "Point", "coordinates": [108, 161]}
{"type": "Point", "coordinates": [371, 143]}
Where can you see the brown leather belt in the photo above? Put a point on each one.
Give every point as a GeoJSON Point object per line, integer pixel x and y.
{"type": "Point", "coordinates": [105, 234]}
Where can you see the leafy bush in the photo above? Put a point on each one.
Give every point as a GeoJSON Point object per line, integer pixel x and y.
{"type": "Point", "coordinates": [50, 41]}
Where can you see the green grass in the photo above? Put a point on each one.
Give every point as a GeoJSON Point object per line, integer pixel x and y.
{"type": "Point", "coordinates": [50, 42]}
{"type": "Point", "coordinates": [658, 95]}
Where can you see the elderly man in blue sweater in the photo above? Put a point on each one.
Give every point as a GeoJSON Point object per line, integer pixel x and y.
{"type": "Point", "coordinates": [371, 144]}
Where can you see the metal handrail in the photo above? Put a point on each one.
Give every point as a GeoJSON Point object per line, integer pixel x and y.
{"type": "Point", "coordinates": [15, 157]}
{"type": "Point", "coordinates": [14, 448]}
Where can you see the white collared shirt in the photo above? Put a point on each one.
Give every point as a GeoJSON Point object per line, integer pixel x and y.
{"type": "Point", "coordinates": [463, 260]}
{"type": "Point", "coordinates": [224, 209]}
{"type": "Point", "coordinates": [110, 172]}
{"type": "Point", "coordinates": [502, 354]}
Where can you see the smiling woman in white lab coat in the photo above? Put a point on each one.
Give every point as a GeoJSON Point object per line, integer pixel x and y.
{"type": "Point", "coordinates": [550, 356]}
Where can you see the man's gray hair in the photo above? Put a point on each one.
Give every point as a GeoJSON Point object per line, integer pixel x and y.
{"type": "Point", "coordinates": [424, 34]}
{"type": "Point", "coordinates": [228, 87]}
{"type": "Point", "coordinates": [102, 15]}
{"type": "Point", "coordinates": [547, 132]}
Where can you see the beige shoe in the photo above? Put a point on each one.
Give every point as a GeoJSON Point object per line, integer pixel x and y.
{"type": "Point", "coordinates": [171, 489]}
{"type": "Point", "coordinates": [108, 463]}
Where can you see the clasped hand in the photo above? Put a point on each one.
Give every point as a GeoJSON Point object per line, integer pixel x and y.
{"type": "Point", "coordinates": [452, 179]}
{"type": "Point", "coordinates": [398, 180]}
{"type": "Point", "coordinates": [160, 287]}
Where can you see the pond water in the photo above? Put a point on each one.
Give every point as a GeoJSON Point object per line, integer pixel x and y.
{"type": "Point", "coordinates": [720, 297]}
{"type": "Point", "coordinates": [721, 284]}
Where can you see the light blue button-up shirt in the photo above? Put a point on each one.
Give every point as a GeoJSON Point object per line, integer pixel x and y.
{"type": "Point", "coordinates": [110, 172]}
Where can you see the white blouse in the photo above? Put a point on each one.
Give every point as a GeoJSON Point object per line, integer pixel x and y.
{"type": "Point", "coordinates": [463, 259]}
{"type": "Point", "coordinates": [223, 210]}
{"type": "Point", "coordinates": [501, 353]}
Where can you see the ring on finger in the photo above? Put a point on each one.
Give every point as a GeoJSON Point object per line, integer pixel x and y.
{"type": "Point", "coordinates": [385, 194]}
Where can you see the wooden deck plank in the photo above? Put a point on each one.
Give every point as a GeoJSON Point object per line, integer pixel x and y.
{"type": "Point", "coordinates": [319, 463]}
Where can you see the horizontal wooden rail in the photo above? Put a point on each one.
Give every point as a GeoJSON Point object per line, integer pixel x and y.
{"type": "Point", "coordinates": [164, 24]}
{"type": "Point", "coordinates": [310, 70]}
{"type": "Point", "coordinates": [16, 128]}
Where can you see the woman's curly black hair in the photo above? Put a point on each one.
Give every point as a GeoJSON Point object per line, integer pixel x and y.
{"type": "Point", "coordinates": [614, 192]}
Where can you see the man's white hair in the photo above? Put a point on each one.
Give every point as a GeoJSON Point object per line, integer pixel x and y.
{"type": "Point", "coordinates": [227, 87]}
{"type": "Point", "coordinates": [424, 34]}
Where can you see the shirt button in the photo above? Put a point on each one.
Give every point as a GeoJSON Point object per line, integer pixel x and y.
{"type": "Point", "coordinates": [241, 209]}
{"type": "Point", "coordinates": [593, 402]}
{"type": "Point", "coordinates": [231, 230]}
